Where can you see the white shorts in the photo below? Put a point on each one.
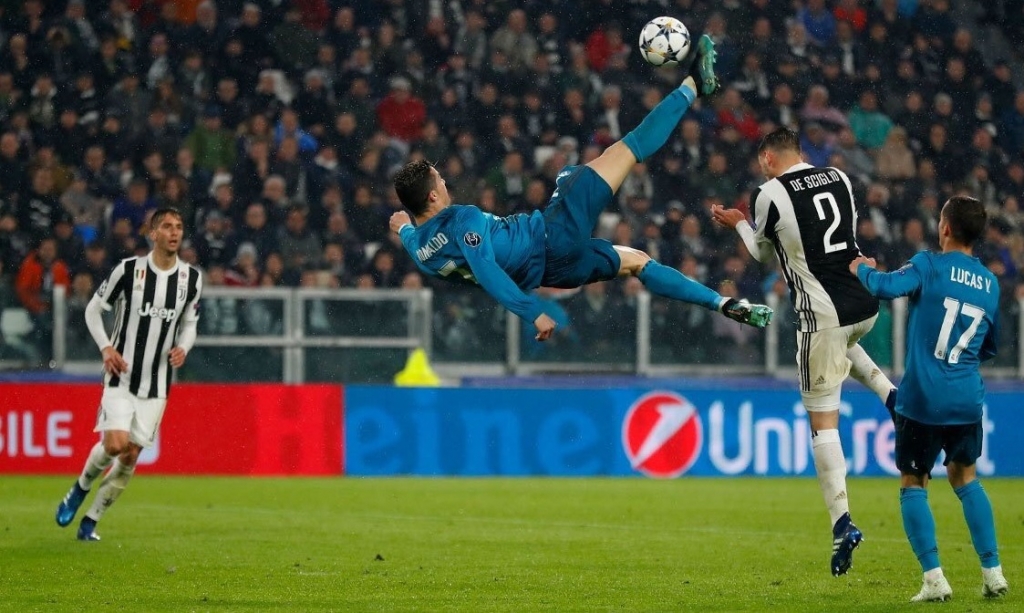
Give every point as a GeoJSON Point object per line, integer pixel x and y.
{"type": "Point", "coordinates": [123, 410]}
{"type": "Point", "coordinates": [822, 364]}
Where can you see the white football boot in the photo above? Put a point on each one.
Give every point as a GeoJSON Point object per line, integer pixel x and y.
{"type": "Point", "coordinates": [934, 589]}
{"type": "Point", "coordinates": [994, 582]}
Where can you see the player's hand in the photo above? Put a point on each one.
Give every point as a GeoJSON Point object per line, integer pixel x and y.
{"type": "Point", "coordinates": [861, 260]}
{"type": "Point", "coordinates": [727, 217]}
{"type": "Point", "coordinates": [177, 357]}
{"type": "Point", "coordinates": [545, 327]}
{"type": "Point", "coordinates": [113, 363]}
{"type": "Point", "coordinates": [398, 220]}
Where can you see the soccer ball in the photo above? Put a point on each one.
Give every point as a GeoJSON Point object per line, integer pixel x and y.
{"type": "Point", "coordinates": [664, 41]}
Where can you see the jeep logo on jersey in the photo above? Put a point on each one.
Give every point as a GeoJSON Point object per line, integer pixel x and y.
{"type": "Point", "coordinates": [472, 239]}
{"type": "Point", "coordinates": [162, 313]}
{"type": "Point", "coordinates": [662, 434]}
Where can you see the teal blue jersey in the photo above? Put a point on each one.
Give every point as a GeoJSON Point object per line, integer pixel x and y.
{"type": "Point", "coordinates": [953, 321]}
{"type": "Point", "coordinates": [504, 255]}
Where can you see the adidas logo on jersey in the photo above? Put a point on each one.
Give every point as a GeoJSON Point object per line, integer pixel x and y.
{"type": "Point", "coordinates": [165, 314]}
{"type": "Point", "coordinates": [820, 380]}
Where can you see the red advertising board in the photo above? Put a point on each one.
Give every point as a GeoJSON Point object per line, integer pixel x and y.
{"type": "Point", "coordinates": [207, 429]}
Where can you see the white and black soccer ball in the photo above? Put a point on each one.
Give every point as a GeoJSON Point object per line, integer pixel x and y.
{"type": "Point", "coordinates": [664, 41]}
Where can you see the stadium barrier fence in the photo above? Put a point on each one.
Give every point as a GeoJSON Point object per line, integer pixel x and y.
{"type": "Point", "coordinates": [364, 336]}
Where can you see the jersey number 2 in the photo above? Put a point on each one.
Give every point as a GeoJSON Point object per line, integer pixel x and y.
{"type": "Point", "coordinates": [830, 247]}
{"type": "Point", "coordinates": [954, 308]}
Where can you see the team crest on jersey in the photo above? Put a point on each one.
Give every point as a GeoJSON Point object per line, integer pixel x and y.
{"type": "Point", "coordinates": [472, 239]}
{"type": "Point", "coordinates": [181, 292]}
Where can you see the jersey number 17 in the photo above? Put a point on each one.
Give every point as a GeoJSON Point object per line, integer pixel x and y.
{"type": "Point", "coordinates": [953, 309]}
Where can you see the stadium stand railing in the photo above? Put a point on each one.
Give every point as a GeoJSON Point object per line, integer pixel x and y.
{"type": "Point", "coordinates": [364, 336]}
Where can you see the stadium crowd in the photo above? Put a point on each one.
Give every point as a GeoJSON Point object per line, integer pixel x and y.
{"type": "Point", "coordinates": [275, 128]}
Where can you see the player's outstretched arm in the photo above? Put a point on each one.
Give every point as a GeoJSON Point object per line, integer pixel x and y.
{"type": "Point", "coordinates": [888, 285]}
{"type": "Point", "coordinates": [754, 240]}
{"type": "Point", "coordinates": [476, 247]}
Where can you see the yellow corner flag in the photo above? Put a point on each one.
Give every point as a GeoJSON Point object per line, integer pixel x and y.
{"type": "Point", "coordinates": [417, 371]}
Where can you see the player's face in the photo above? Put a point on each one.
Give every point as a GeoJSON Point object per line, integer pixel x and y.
{"type": "Point", "coordinates": [167, 234]}
{"type": "Point", "coordinates": [441, 188]}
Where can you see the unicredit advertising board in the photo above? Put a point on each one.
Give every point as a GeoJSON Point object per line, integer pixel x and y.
{"type": "Point", "coordinates": [206, 429]}
{"type": "Point", "coordinates": [660, 433]}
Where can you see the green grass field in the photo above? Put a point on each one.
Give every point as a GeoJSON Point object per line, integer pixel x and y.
{"type": "Point", "coordinates": [213, 544]}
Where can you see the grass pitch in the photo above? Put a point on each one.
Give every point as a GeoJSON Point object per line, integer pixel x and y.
{"type": "Point", "coordinates": [218, 544]}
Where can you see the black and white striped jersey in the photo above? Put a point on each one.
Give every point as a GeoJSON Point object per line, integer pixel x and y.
{"type": "Point", "coordinates": [151, 306]}
{"type": "Point", "coordinates": [807, 216]}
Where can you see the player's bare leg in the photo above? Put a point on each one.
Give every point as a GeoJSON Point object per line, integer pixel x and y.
{"type": "Point", "coordinates": [670, 283]}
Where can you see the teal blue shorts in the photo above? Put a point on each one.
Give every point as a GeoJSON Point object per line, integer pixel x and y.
{"type": "Point", "coordinates": [572, 256]}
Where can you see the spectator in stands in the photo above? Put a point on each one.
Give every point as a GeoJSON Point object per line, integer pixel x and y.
{"type": "Point", "coordinates": [816, 109]}
{"type": "Point", "coordinates": [294, 45]}
{"type": "Point", "coordinates": [509, 179]}
{"type": "Point", "coordinates": [383, 271]}
{"type": "Point", "coordinates": [869, 125]}
{"type": "Point", "coordinates": [519, 45]}
{"type": "Point", "coordinates": [286, 164]}
{"type": "Point", "coordinates": [212, 145]}
{"type": "Point", "coordinates": [947, 161]}
{"type": "Point", "coordinates": [342, 34]}
{"type": "Point", "coordinates": [39, 274]}
{"type": "Point", "coordinates": [289, 127]}
{"type": "Point", "coordinates": [134, 205]}
{"type": "Point", "coordinates": [297, 244]}
{"type": "Point", "coordinates": [333, 260]}
{"type": "Point", "coordinates": [858, 162]}
{"type": "Point", "coordinates": [735, 112]}
{"type": "Point", "coordinates": [96, 264]}
{"type": "Point", "coordinates": [999, 85]}
{"type": "Point", "coordinates": [819, 23]}
{"type": "Point", "coordinates": [895, 160]}
{"type": "Point", "coordinates": [244, 270]}
{"type": "Point", "coordinates": [1012, 129]}
{"type": "Point", "coordinates": [216, 243]}
{"type": "Point", "coordinates": [255, 231]}
{"type": "Point", "coordinates": [315, 103]}
{"type": "Point", "coordinates": [401, 114]}
{"type": "Point", "coordinates": [592, 309]}
{"type": "Point", "coordinates": [38, 210]}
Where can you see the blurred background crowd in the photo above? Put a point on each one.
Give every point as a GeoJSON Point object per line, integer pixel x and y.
{"type": "Point", "coordinates": [275, 127]}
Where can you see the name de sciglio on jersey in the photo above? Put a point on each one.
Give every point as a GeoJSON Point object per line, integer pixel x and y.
{"type": "Point", "coordinates": [816, 180]}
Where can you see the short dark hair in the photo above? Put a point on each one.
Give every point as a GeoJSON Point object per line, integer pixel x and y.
{"type": "Point", "coordinates": [162, 212]}
{"type": "Point", "coordinates": [966, 218]}
{"type": "Point", "coordinates": [413, 184]}
{"type": "Point", "coordinates": [780, 139]}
